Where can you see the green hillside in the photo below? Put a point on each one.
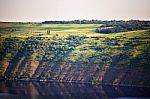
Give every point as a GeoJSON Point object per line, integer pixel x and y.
{"type": "Point", "coordinates": [73, 52]}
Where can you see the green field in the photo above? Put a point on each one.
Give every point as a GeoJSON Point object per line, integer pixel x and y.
{"type": "Point", "coordinates": [35, 29]}
{"type": "Point", "coordinates": [31, 49]}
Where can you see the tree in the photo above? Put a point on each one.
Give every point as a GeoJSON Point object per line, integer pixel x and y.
{"type": "Point", "coordinates": [48, 32]}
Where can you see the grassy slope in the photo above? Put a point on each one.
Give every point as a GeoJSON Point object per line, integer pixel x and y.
{"type": "Point", "coordinates": [71, 43]}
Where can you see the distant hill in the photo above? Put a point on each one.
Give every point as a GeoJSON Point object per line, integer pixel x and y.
{"type": "Point", "coordinates": [74, 53]}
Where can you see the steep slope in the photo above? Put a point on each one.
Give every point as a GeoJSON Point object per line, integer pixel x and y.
{"type": "Point", "coordinates": [121, 58]}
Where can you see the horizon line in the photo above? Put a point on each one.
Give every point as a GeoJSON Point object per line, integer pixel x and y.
{"type": "Point", "coordinates": [80, 20]}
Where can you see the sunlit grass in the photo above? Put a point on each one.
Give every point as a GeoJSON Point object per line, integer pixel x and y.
{"type": "Point", "coordinates": [83, 51]}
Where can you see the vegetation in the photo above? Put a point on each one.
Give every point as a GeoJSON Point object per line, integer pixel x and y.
{"type": "Point", "coordinates": [74, 52]}
{"type": "Point", "coordinates": [122, 26]}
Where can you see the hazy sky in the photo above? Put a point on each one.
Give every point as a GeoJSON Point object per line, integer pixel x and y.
{"type": "Point", "coordinates": [40, 10]}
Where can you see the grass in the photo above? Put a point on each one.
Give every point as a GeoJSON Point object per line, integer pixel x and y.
{"type": "Point", "coordinates": [28, 30]}
{"type": "Point", "coordinates": [106, 44]}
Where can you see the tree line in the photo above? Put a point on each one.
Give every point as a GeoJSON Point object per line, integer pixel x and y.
{"type": "Point", "coordinates": [108, 23]}
{"type": "Point", "coordinates": [122, 26]}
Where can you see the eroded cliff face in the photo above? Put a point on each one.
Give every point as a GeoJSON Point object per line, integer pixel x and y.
{"type": "Point", "coordinates": [82, 73]}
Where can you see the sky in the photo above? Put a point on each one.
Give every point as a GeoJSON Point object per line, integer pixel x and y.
{"type": "Point", "coordinates": [41, 10]}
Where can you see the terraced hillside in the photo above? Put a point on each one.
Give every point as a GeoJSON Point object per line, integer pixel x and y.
{"type": "Point", "coordinates": [73, 52]}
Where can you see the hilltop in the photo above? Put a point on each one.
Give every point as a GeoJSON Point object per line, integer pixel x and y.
{"type": "Point", "coordinates": [74, 53]}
